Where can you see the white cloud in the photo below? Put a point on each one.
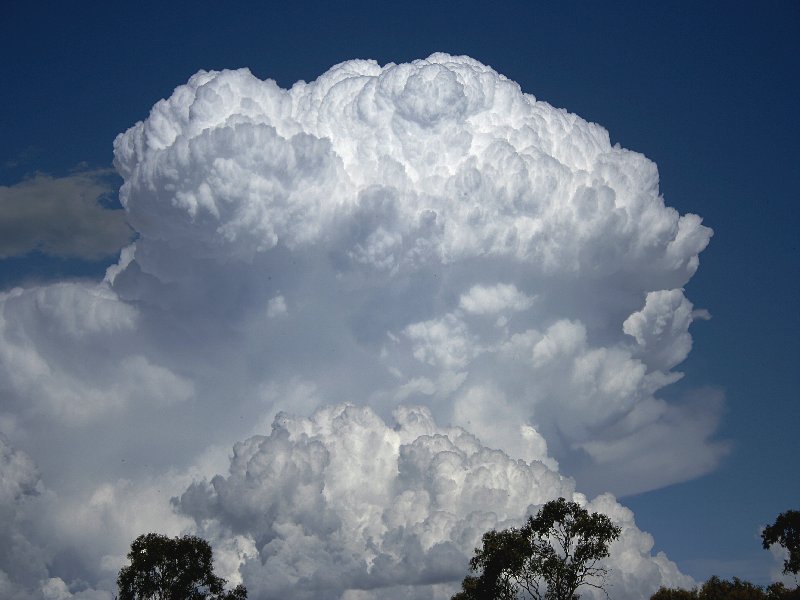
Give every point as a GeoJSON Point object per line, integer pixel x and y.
{"type": "Point", "coordinates": [55, 589]}
{"type": "Point", "coordinates": [661, 328]}
{"type": "Point", "coordinates": [22, 562]}
{"type": "Point", "coordinates": [422, 233]}
{"type": "Point", "coordinates": [276, 306]}
{"type": "Point", "coordinates": [483, 300]}
{"type": "Point", "coordinates": [345, 504]}
{"type": "Point", "coordinates": [64, 355]}
{"type": "Point", "coordinates": [442, 343]}
{"type": "Point", "coordinates": [61, 217]}
{"type": "Point", "coordinates": [779, 556]}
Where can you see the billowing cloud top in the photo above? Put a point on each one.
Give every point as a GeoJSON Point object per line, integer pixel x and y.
{"type": "Point", "coordinates": [440, 160]}
{"type": "Point", "coordinates": [418, 234]}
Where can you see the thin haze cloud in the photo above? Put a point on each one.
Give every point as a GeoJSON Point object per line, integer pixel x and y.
{"type": "Point", "coordinates": [454, 292]}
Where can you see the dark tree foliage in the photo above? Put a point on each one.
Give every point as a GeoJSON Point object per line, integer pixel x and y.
{"type": "Point", "coordinates": [674, 594]}
{"type": "Point", "coordinates": [549, 558]}
{"type": "Point", "coordinates": [778, 591]}
{"type": "Point", "coordinates": [722, 589]}
{"type": "Point", "coordinates": [178, 568]}
{"type": "Point", "coordinates": [785, 531]}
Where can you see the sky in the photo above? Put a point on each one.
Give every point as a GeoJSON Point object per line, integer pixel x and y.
{"type": "Point", "coordinates": [313, 312]}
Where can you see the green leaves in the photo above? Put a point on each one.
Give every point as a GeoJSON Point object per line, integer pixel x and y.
{"type": "Point", "coordinates": [723, 589]}
{"type": "Point", "coordinates": [785, 531]}
{"type": "Point", "coordinates": [178, 568]}
{"type": "Point", "coordinates": [549, 558]}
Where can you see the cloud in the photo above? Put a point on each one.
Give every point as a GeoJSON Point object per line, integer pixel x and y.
{"type": "Point", "coordinates": [661, 328]}
{"type": "Point", "coordinates": [59, 544]}
{"type": "Point", "coordinates": [62, 358]}
{"type": "Point", "coordinates": [779, 556]}
{"type": "Point", "coordinates": [61, 217]}
{"type": "Point", "coordinates": [22, 562]}
{"type": "Point", "coordinates": [423, 199]}
{"type": "Point", "coordinates": [482, 300]}
{"type": "Point", "coordinates": [416, 234]}
{"type": "Point", "coordinates": [344, 504]}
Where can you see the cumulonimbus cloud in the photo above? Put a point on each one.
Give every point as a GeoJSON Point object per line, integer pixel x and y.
{"type": "Point", "coordinates": [422, 234]}
{"type": "Point", "coordinates": [433, 202]}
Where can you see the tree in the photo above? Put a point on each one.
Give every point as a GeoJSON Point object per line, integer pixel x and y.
{"type": "Point", "coordinates": [785, 531]}
{"type": "Point", "coordinates": [549, 558]}
{"type": "Point", "coordinates": [778, 591]}
{"type": "Point", "coordinates": [664, 593]}
{"type": "Point", "coordinates": [178, 568]}
{"type": "Point", "coordinates": [722, 589]}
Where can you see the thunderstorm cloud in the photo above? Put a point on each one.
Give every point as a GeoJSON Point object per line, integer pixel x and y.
{"type": "Point", "coordinates": [459, 301]}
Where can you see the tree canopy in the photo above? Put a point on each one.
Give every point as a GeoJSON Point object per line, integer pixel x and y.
{"type": "Point", "coordinates": [723, 589]}
{"type": "Point", "coordinates": [785, 531]}
{"type": "Point", "coordinates": [179, 568]}
{"type": "Point", "coordinates": [549, 558]}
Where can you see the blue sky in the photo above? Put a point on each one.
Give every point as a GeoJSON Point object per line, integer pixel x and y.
{"type": "Point", "coordinates": [707, 92]}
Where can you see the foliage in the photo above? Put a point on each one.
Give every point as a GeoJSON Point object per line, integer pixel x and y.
{"type": "Point", "coordinates": [549, 558]}
{"type": "Point", "coordinates": [778, 591]}
{"type": "Point", "coordinates": [178, 568]}
{"type": "Point", "coordinates": [785, 531]}
{"type": "Point", "coordinates": [722, 589]}
{"type": "Point", "coordinates": [674, 594]}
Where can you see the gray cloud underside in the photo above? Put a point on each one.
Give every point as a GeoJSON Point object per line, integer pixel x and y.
{"type": "Point", "coordinates": [421, 234]}
{"type": "Point", "coordinates": [61, 217]}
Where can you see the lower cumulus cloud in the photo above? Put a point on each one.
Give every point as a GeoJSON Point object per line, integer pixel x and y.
{"type": "Point", "coordinates": [344, 505]}
{"type": "Point", "coordinates": [460, 302]}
